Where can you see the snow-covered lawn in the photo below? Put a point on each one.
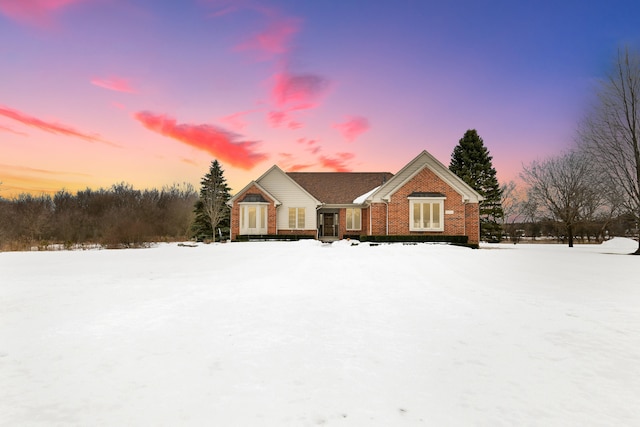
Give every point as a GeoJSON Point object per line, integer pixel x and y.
{"type": "Point", "coordinates": [302, 334]}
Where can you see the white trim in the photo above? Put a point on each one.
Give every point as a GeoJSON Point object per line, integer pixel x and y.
{"type": "Point", "coordinates": [426, 160]}
{"type": "Point", "coordinates": [261, 215]}
{"type": "Point", "coordinates": [247, 187]}
{"type": "Point", "coordinates": [346, 220]}
{"type": "Point", "coordinates": [297, 226]}
{"type": "Point", "coordinates": [421, 201]}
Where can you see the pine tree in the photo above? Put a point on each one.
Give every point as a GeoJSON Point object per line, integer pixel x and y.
{"type": "Point", "coordinates": [471, 161]}
{"type": "Point", "coordinates": [211, 210]}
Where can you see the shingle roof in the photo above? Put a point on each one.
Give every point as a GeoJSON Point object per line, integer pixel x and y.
{"type": "Point", "coordinates": [339, 187]}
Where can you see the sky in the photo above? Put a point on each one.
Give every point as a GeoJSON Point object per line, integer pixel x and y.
{"type": "Point", "coordinates": [149, 92]}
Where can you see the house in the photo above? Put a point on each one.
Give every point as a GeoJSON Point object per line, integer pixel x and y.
{"type": "Point", "coordinates": [423, 198]}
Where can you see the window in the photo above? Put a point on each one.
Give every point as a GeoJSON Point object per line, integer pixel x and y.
{"type": "Point", "coordinates": [253, 218]}
{"type": "Point", "coordinates": [426, 214]}
{"type": "Point", "coordinates": [354, 221]}
{"type": "Point", "coordinates": [296, 218]}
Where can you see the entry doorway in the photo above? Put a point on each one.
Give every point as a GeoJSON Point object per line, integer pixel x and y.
{"type": "Point", "coordinates": [329, 224]}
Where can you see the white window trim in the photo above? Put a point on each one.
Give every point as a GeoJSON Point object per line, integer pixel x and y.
{"type": "Point", "coordinates": [346, 220]}
{"type": "Point", "coordinates": [412, 200]}
{"type": "Point", "coordinates": [244, 218]}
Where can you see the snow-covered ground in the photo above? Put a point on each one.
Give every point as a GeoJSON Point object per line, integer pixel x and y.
{"type": "Point", "coordinates": [303, 334]}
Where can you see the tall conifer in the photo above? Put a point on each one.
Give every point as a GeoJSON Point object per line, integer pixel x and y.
{"type": "Point", "coordinates": [211, 210]}
{"type": "Point", "coordinates": [471, 161]}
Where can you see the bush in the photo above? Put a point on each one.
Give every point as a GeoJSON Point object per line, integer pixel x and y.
{"type": "Point", "coordinates": [279, 237]}
{"type": "Point", "coordinates": [419, 238]}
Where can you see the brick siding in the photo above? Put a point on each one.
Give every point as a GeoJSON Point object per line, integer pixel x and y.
{"type": "Point", "coordinates": [235, 213]}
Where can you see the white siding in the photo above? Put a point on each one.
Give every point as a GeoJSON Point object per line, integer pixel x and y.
{"type": "Point", "coordinates": [291, 196]}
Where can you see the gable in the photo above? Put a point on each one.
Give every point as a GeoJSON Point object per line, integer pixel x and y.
{"type": "Point", "coordinates": [250, 192]}
{"type": "Point", "coordinates": [413, 168]}
{"type": "Point", "coordinates": [286, 189]}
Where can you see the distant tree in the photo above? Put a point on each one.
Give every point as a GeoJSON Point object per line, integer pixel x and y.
{"type": "Point", "coordinates": [610, 133]}
{"type": "Point", "coordinates": [471, 161]}
{"type": "Point", "coordinates": [211, 210]}
{"type": "Point", "coordinates": [564, 187]}
{"type": "Point", "coordinates": [513, 209]}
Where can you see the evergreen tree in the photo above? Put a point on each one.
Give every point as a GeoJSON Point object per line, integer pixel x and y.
{"type": "Point", "coordinates": [211, 210]}
{"type": "Point", "coordinates": [471, 161]}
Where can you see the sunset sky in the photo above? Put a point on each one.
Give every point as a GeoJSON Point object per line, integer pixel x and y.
{"type": "Point", "coordinates": [149, 92]}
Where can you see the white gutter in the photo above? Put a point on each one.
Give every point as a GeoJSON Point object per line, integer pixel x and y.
{"type": "Point", "coordinates": [387, 204]}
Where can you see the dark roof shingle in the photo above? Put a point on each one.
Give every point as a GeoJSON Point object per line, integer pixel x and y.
{"type": "Point", "coordinates": [339, 187]}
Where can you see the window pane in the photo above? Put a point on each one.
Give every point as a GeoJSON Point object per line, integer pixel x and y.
{"type": "Point", "coordinates": [252, 216]}
{"type": "Point", "coordinates": [426, 215]}
{"type": "Point", "coordinates": [242, 211]}
{"type": "Point", "coordinates": [292, 217]}
{"type": "Point", "coordinates": [416, 215]}
{"type": "Point", "coordinates": [300, 217]}
{"type": "Point", "coordinates": [436, 215]}
{"type": "Point", "coordinates": [357, 213]}
{"type": "Point", "coordinates": [349, 219]}
{"type": "Point", "coordinates": [263, 217]}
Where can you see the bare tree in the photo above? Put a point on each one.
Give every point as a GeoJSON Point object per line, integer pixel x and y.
{"type": "Point", "coordinates": [610, 133]}
{"type": "Point", "coordinates": [564, 187]}
{"type": "Point", "coordinates": [511, 201]}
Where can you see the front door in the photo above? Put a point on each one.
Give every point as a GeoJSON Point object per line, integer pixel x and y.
{"type": "Point", "coordinates": [328, 225]}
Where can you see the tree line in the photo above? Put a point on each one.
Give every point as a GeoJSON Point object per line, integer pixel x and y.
{"type": "Point", "coordinates": [590, 191]}
{"type": "Point", "coordinates": [598, 179]}
{"type": "Point", "coordinates": [119, 216]}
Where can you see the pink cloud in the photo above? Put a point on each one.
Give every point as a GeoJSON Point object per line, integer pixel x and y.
{"type": "Point", "coordinates": [297, 91]}
{"type": "Point", "coordinates": [7, 129]}
{"type": "Point", "coordinates": [51, 127]}
{"type": "Point", "coordinates": [34, 12]}
{"type": "Point", "coordinates": [307, 141]}
{"type": "Point", "coordinates": [276, 118]}
{"type": "Point", "coordinates": [299, 167]}
{"type": "Point", "coordinates": [189, 162]}
{"type": "Point", "coordinates": [117, 84]}
{"type": "Point", "coordinates": [353, 127]}
{"type": "Point", "coordinates": [218, 142]}
{"type": "Point", "coordinates": [285, 161]}
{"type": "Point", "coordinates": [294, 92]}
{"type": "Point", "coordinates": [312, 145]}
{"type": "Point", "coordinates": [275, 39]}
{"type": "Point", "coordinates": [338, 163]}
{"type": "Point", "coordinates": [235, 121]}
{"type": "Point", "coordinates": [39, 171]}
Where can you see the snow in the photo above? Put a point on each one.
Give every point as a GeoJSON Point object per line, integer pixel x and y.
{"type": "Point", "coordinates": [361, 199]}
{"type": "Point", "coordinates": [304, 333]}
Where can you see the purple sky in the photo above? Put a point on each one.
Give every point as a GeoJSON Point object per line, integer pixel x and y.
{"type": "Point", "coordinates": [97, 92]}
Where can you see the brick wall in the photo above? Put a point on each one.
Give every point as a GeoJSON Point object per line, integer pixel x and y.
{"type": "Point", "coordinates": [459, 223]}
{"type": "Point", "coordinates": [378, 219]}
{"type": "Point", "coordinates": [235, 213]}
{"type": "Point", "coordinates": [472, 219]}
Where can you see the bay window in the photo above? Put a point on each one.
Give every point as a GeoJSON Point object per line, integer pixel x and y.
{"type": "Point", "coordinates": [426, 213]}
{"type": "Point", "coordinates": [253, 218]}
